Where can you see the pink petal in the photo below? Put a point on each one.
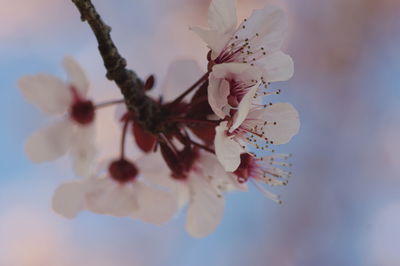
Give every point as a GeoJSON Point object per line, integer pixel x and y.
{"type": "Point", "coordinates": [286, 118]}
{"type": "Point", "coordinates": [219, 178]}
{"type": "Point", "coordinates": [227, 150]}
{"type": "Point", "coordinates": [222, 16]}
{"type": "Point", "coordinates": [270, 23]}
{"type": "Point", "coordinates": [47, 92]}
{"type": "Point", "coordinates": [182, 193]}
{"type": "Point", "coordinates": [155, 206]}
{"type": "Point", "coordinates": [83, 150]}
{"type": "Point", "coordinates": [76, 75]}
{"type": "Point", "coordinates": [49, 143]}
{"type": "Point", "coordinates": [104, 196]}
{"type": "Point", "coordinates": [244, 108]}
{"type": "Point", "coordinates": [239, 71]}
{"type": "Point", "coordinates": [277, 67]}
{"type": "Point", "coordinates": [154, 170]}
{"type": "Point", "coordinates": [218, 91]}
{"type": "Point", "coordinates": [215, 40]}
{"type": "Point", "coordinates": [205, 208]}
{"type": "Point", "coordinates": [219, 88]}
{"type": "Point", "coordinates": [68, 199]}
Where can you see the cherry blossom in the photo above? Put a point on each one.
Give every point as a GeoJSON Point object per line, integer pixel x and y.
{"type": "Point", "coordinates": [201, 186]}
{"type": "Point", "coordinates": [263, 170]}
{"type": "Point", "coordinates": [74, 131]}
{"type": "Point", "coordinates": [273, 124]}
{"type": "Point", "coordinates": [256, 41]}
{"type": "Point", "coordinates": [119, 192]}
{"type": "Point", "coordinates": [228, 85]}
{"type": "Point", "coordinates": [180, 74]}
{"type": "Point", "coordinates": [203, 134]}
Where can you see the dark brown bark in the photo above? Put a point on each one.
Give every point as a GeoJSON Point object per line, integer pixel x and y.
{"type": "Point", "coordinates": [148, 112]}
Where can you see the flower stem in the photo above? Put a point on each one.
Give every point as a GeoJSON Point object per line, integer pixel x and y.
{"type": "Point", "coordinates": [109, 103]}
{"type": "Point", "coordinates": [123, 138]}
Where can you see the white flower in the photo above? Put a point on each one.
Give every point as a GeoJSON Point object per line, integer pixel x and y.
{"type": "Point", "coordinates": [118, 192]}
{"type": "Point", "coordinates": [202, 189]}
{"type": "Point", "coordinates": [257, 41]}
{"type": "Point", "coordinates": [228, 85]}
{"type": "Point", "coordinates": [74, 132]}
{"type": "Point", "coordinates": [263, 170]}
{"type": "Point", "coordinates": [274, 124]}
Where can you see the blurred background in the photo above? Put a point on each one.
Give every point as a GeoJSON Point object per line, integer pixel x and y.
{"type": "Point", "coordinates": [342, 206]}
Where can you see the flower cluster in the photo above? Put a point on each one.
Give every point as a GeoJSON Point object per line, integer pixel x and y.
{"type": "Point", "coordinates": [212, 139]}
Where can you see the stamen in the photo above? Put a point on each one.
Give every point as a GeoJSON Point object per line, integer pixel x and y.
{"type": "Point", "coordinates": [267, 193]}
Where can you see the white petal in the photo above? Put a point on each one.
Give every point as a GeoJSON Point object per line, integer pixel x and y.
{"type": "Point", "coordinates": [222, 16]}
{"type": "Point", "coordinates": [49, 143]}
{"type": "Point", "coordinates": [180, 76]}
{"type": "Point", "coordinates": [244, 108]}
{"type": "Point", "coordinates": [205, 208]}
{"type": "Point", "coordinates": [47, 92]}
{"type": "Point", "coordinates": [209, 162]}
{"type": "Point", "coordinates": [220, 180]}
{"type": "Point", "coordinates": [76, 75]}
{"type": "Point", "coordinates": [277, 67]}
{"type": "Point", "coordinates": [286, 118]}
{"type": "Point", "coordinates": [155, 206]}
{"type": "Point", "coordinates": [104, 196]}
{"type": "Point", "coordinates": [270, 24]}
{"type": "Point", "coordinates": [227, 150]}
{"type": "Point", "coordinates": [68, 199]}
{"type": "Point", "coordinates": [182, 193]}
{"type": "Point", "coordinates": [215, 40]}
{"type": "Point", "coordinates": [83, 149]}
{"type": "Point", "coordinates": [238, 71]}
{"type": "Point", "coordinates": [154, 170]}
{"type": "Point", "coordinates": [218, 91]}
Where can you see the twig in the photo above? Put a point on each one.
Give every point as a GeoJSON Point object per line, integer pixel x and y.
{"type": "Point", "coordinates": [148, 112]}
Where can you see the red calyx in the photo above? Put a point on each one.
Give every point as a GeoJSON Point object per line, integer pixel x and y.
{"type": "Point", "coordinates": [180, 162]}
{"type": "Point", "coordinates": [123, 171]}
{"type": "Point", "coordinates": [173, 161]}
{"type": "Point", "coordinates": [144, 139]}
{"type": "Point", "coordinates": [149, 84]}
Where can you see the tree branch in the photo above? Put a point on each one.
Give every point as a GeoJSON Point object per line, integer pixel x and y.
{"type": "Point", "coordinates": [147, 111]}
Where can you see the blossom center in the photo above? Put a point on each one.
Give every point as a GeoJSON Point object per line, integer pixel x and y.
{"type": "Point", "coordinates": [244, 169]}
{"type": "Point", "coordinates": [187, 158]}
{"type": "Point", "coordinates": [82, 112]}
{"type": "Point", "coordinates": [123, 171]}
